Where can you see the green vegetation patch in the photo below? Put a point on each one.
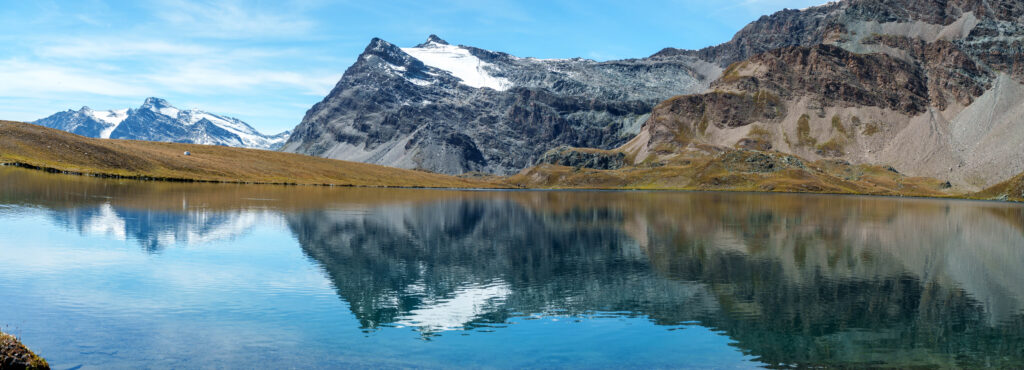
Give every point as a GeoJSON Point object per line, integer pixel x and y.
{"type": "Point", "coordinates": [759, 132]}
{"type": "Point", "coordinates": [803, 132]}
{"type": "Point", "coordinates": [832, 148]}
{"type": "Point", "coordinates": [732, 72]}
{"type": "Point", "coordinates": [837, 124]}
{"type": "Point", "coordinates": [870, 129]}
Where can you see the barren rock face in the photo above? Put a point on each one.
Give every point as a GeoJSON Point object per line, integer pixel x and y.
{"type": "Point", "coordinates": [570, 157]}
{"type": "Point", "coordinates": [833, 76]}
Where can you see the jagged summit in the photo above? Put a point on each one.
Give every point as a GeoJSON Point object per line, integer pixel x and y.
{"type": "Point", "coordinates": [152, 102]}
{"type": "Point", "coordinates": [433, 39]}
{"type": "Point", "coordinates": [157, 120]}
{"type": "Point", "coordinates": [378, 44]}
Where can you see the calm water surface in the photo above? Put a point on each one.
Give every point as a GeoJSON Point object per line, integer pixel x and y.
{"type": "Point", "coordinates": [99, 273]}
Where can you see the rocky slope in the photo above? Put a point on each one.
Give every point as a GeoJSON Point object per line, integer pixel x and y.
{"type": "Point", "coordinates": [455, 109]}
{"type": "Point", "coordinates": [158, 120]}
{"type": "Point", "coordinates": [931, 88]}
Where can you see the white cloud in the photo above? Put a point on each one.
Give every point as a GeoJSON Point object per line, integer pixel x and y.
{"type": "Point", "coordinates": [202, 77]}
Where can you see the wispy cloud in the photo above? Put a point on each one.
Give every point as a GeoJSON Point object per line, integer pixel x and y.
{"type": "Point", "coordinates": [23, 79]}
{"type": "Point", "coordinates": [201, 78]}
{"type": "Point", "coordinates": [230, 19]}
{"type": "Point", "coordinates": [99, 48]}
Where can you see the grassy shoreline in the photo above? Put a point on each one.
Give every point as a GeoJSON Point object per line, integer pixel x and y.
{"type": "Point", "coordinates": [35, 147]}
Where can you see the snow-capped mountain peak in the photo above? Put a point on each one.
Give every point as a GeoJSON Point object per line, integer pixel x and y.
{"type": "Point", "coordinates": [158, 120]}
{"type": "Point", "coordinates": [459, 62]}
{"type": "Point", "coordinates": [160, 106]}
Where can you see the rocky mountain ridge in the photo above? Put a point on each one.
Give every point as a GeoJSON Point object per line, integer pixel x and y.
{"type": "Point", "coordinates": [158, 120]}
{"type": "Point", "coordinates": [455, 109]}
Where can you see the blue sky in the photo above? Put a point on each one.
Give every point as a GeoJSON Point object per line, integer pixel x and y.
{"type": "Point", "coordinates": [267, 62]}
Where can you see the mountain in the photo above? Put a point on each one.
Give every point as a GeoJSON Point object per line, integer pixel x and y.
{"type": "Point", "coordinates": [931, 88]}
{"type": "Point", "coordinates": [158, 120]}
{"type": "Point", "coordinates": [927, 88]}
{"type": "Point", "coordinates": [455, 109]}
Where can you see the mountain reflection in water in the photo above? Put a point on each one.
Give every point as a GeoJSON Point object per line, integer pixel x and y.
{"type": "Point", "coordinates": [793, 279]}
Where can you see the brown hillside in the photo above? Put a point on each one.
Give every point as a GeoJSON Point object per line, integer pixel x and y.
{"type": "Point", "coordinates": [1012, 189]}
{"type": "Point", "coordinates": [36, 146]}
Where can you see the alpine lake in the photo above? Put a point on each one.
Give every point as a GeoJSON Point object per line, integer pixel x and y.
{"type": "Point", "coordinates": [100, 273]}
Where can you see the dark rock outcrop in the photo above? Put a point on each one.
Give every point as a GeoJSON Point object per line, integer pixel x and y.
{"type": "Point", "coordinates": [595, 159]}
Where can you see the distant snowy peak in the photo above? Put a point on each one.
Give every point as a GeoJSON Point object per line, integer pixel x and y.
{"type": "Point", "coordinates": [459, 62]}
{"type": "Point", "coordinates": [110, 119]}
{"type": "Point", "coordinates": [158, 120]}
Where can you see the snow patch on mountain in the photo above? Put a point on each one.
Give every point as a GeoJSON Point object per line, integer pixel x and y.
{"type": "Point", "coordinates": [460, 63]}
{"type": "Point", "coordinates": [112, 118]}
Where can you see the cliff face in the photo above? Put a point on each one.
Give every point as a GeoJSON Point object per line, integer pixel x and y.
{"type": "Point", "coordinates": [931, 88]}
{"type": "Point", "coordinates": [455, 109]}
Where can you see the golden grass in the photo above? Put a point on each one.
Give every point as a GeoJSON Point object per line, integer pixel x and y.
{"type": "Point", "coordinates": [736, 171]}
{"type": "Point", "coordinates": [1012, 189]}
{"type": "Point", "coordinates": [37, 146]}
